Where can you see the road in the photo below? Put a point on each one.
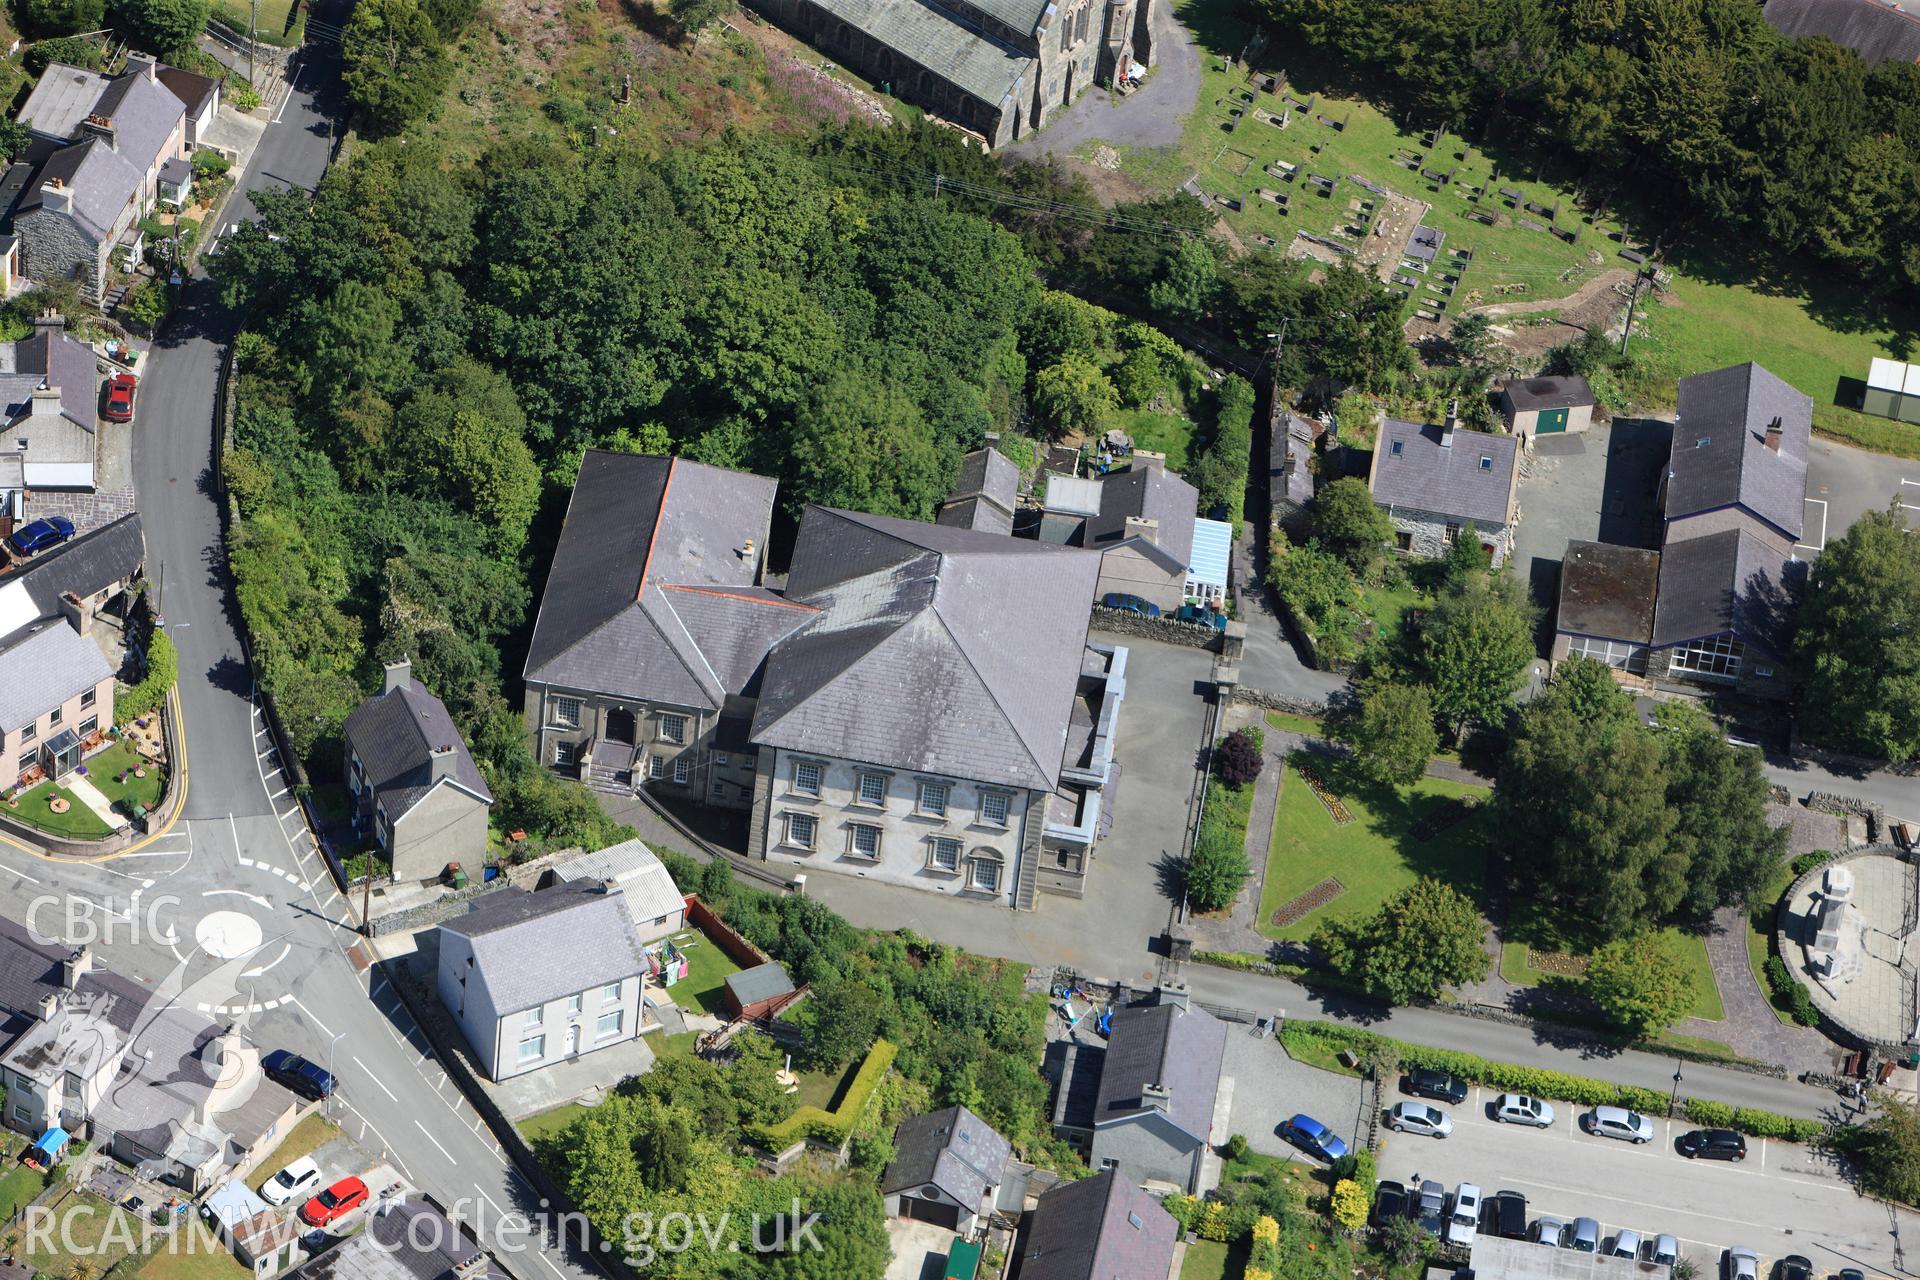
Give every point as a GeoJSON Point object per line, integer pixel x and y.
{"type": "Point", "coordinates": [1782, 1199]}
{"type": "Point", "coordinates": [261, 936]}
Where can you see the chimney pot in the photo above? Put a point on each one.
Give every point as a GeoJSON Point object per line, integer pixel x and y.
{"type": "Point", "coordinates": [746, 549]}
{"type": "Point", "coordinates": [75, 967]}
{"type": "Point", "coordinates": [399, 675]}
{"type": "Point", "coordinates": [1143, 527]}
{"type": "Point", "coordinates": [440, 762]}
{"type": "Point", "coordinates": [1774, 432]}
{"type": "Point", "coordinates": [49, 1007]}
{"type": "Point", "coordinates": [1452, 421]}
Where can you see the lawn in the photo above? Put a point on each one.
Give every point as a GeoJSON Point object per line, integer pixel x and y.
{"type": "Point", "coordinates": [1167, 433]}
{"type": "Point", "coordinates": [1211, 1260]}
{"type": "Point", "coordinates": [1374, 856]}
{"type": "Point", "coordinates": [98, 1232]}
{"type": "Point", "coordinates": [277, 19]}
{"type": "Point", "coordinates": [204, 1258]}
{"type": "Point", "coordinates": [77, 823]}
{"type": "Point", "coordinates": [549, 1124]}
{"type": "Point", "coordinates": [18, 1186]}
{"type": "Point", "coordinates": [823, 1088]}
{"type": "Point", "coordinates": [708, 968]}
{"type": "Point", "coordinates": [134, 792]}
{"type": "Point", "coordinates": [312, 1133]}
{"type": "Point", "coordinates": [1287, 722]}
{"type": "Point", "coordinates": [1529, 929]}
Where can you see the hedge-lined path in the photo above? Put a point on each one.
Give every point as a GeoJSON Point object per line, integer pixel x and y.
{"type": "Point", "coordinates": [1750, 1025]}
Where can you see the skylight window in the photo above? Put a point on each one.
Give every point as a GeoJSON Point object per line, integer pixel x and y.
{"type": "Point", "coordinates": [1703, 442]}
{"type": "Point", "coordinates": [1486, 463]}
{"type": "Point", "coordinates": [1397, 447]}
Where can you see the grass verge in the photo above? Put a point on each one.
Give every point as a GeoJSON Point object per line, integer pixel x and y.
{"type": "Point", "coordinates": [312, 1133]}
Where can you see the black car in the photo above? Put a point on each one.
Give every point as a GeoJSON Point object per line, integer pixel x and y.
{"type": "Point", "coordinates": [1390, 1201]}
{"type": "Point", "coordinates": [1504, 1214]}
{"type": "Point", "coordinates": [291, 1071]}
{"type": "Point", "coordinates": [1711, 1144]}
{"type": "Point", "coordinates": [1438, 1085]}
{"type": "Point", "coordinates": [1793, 1267]}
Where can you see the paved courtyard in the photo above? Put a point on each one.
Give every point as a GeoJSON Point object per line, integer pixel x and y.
{"type": "Point", "coordinates": [1876, 1002]}
{"type": "Point", "coordinates": [1844, 483]}
{"type": "Point", "coordinates": [1153, 115]}
{"type": "Point", "coordinates": [919, 1249]}
{"type": "Point", "coordinates": [1270, 1087]}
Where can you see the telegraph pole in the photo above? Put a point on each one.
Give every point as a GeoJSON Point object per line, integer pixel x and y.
{"type": "Point", "coordinates": [253, 38]}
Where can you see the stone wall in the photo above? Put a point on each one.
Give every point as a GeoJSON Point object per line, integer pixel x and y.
{"type": "Point", "coordinates": [1278, 701]}
{"type": "Point", "coordinates": [1427, 534]}
{"type": "Point", "coordinates": [1194, 635]}
{"type": "Point", "coordinates": [1848, 806]}
{"type": "Point", "coordinates": [52, 247]}
{"type": "Point", "coordinates": [454, 901]}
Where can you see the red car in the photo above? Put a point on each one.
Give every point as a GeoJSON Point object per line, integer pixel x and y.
{"type": "Point", "coordinates": [336, 1202]}
{"type": "Point", "coordinates": [120, 397]}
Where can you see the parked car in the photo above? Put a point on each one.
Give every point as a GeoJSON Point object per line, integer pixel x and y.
{"type": "Point", "coordinates": [41, 534]}
{"type": "Point", "coordinates": [1418, 1117]}
{"type": "Point", "coordinates": [1464, 1222]}
{"type": "Point", "coordinates": [1441, 1086]}
{"type": "Point", "coordinates": [335, 1203]}
{"type": "Point", "coordinates": [1740, 1264]}
{"type": "Point", "coordinates": [1618, 1122]}
{"type": "Point", "coordinates": [297, 1179]}
{"type": "Point", "coordinates": [1504, 1214]}
{"type": "Point", "coordinates": [1390, 1201]}
{"type": "Point", "coordinates": [1711, 1144]}
{"type": "Point", "coordinates": [1793, 1267]}
{"type": "Point", "coordinates": [1131, 604]}
{"type": "Point", "coordinates": [1549, 1231]}
{"type": "Point", "coordinates": [120, 388]}
{"type": "Point", "coordinates": [1432, 1207]}
{"type": "Point", "coordinates": [1312, 1137]}
{"type": "Point", "coordinates": [1663, 1251]}
{"type": "Point", "coordinates": [291, 1071]}
{"type": "Point", "coordinates": [1852, 1273]}
{"type": "Point", "coordinates": [1584, 1236]}
{"type": "Point", "coordinates": [1202, 615]}
{"type": "Point", "coordinates": [1518, 1108]}
{"type": "Point", "coordinates": [1625, 1245]}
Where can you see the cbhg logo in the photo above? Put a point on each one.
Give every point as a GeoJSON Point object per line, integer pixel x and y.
{"type": "Point", "coordinates": [86, 922]}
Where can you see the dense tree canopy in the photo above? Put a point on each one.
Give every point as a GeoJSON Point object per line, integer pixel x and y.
{"type": "Point", "coordinates": [1859, 640]}
{"type": "Point", "coordinates": [1423, 940]}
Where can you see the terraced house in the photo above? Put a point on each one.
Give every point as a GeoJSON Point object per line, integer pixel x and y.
{"type": "Point", "coordinates": [913, 702]}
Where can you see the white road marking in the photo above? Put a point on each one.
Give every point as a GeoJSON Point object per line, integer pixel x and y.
{"type": "Point", "coordinates": [549, 1261]}
{"type": "Point", "coordinates": [291, 86]}
{"type": "Point", "coordinates": [490, 1200]}
{"type": "Point", "coordinates": [289, 813]}
{"type": "Point", "coordinates": [282, 791]}
{"type": "Point", "coordinates": [365, 1070]}
{"type": "Point", "coordinates": [311, 1014]}
{"type": "Point", "coordinates": [23, 875]}
{"type": "Point", "coordinates": [1822, 544]}
{"type": "Point", "coordinates": [435, 1141]}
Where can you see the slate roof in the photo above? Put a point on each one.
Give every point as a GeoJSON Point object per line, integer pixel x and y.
{"type": "Point", "coordinates": [954, 1150]}
{"type": "Point", "coordinates": [943, 41]}
{"type": "Point", "coordinates": [767, 981]}
{"type": "Point", "coordinates": [192, 88]}
{"type": "Point", "coordinates": [30, 970]}
{"type": "Point", "coordinates": [642, 877]}
{"type": "Point", "coordinates": [144, 114]}
{"type": "Point", "coordinates": [1181, 1050]}
{"type": "Point", "coordinates": [408, 1239]}
{"type": "Point", "coordinates": [1527, 394]}
{"type": "Point", "coordinates": [636, 521]}
{"type": "Point", "coordinates": [52, 359]}
{"type": "Point", "coordinates": [1727, 581]}
{"type": "Point", "coordinates": [1878, 33]}
{"type": "Point", "coordinates": [975, 513]}
{"type": "Point", "coordinates": [1099, 1228]}
{"type": "Point", "coordinates": [1608, 591]}
{"type": "Point", "coordinates": [944, 650]}
{"type": "Point", "coordinates": [990, 474]}
{"type": "Point", "coordinates": [394, 734]}
{"type": "Point", "coordinates": [62, 99]}
{"type": "Point", "coordinates": [1448, 481]}
{"type": "Point", "coordinates": [42, 666]}
{"type": "Point", "coordinates": [530, 948]}
{"type": "Point", "coordinates": [1720, 458]}
{"type": "Point", "coordinates": [103, 177]}
{"type": "Point", "coordinates": [1151, 493]}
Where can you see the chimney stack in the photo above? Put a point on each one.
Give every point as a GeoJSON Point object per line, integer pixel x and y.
{"type": "Point", "coordinates": [56, 196]}
{"type": "Point", "coordinates": [45, 402]}
{"type": "Point", "coordinates": [440, 762]}
{"type": "Point", "coordinates": [1155, 1097]}
{"type": "Point", "coordinates": [1174, 993]}
{"type": "Point", "coordinates": [1453, 420]}
{"type": "Point", "coordinates": [1774, 432]}
{"type": "Point", "coordinates": [144, 65]}
{"type": "Point", "coordinates": [75, 967]}
{"type": "Point", "coordinates": [50, 320]}
{"type": "Point", "coordinates": [399, 675]}
{"type": "Point", "coordinates": [746, 549]}
{"type": "Point", "coordinates": [49, 1007]}
{"type": "Point", "coordinates": [1143, 527]}
{"type": "Point", "coordinates": [78, 612]}
{"type": "Point", "coordinates": [1149, 461]}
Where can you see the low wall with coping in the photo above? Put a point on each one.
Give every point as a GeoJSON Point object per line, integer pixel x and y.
{"type": "Point", "coordinates": [1124, 622]}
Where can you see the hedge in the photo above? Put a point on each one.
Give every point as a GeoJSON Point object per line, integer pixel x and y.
{"type": "Point", "coordinates": [835, 1126]}
{"type": "Point", "coordinates": [143, 699]}
{"type": "Point", "coordinates": [1543, 1082]}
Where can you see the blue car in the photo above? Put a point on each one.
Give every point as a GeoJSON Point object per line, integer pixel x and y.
{"type": "Point", "coordinates": [1313, 1138]}
{"type": "Point", "coordinates": [291, 1071]}
{"type": "Point", "coordinates": [41, 534]}
{"type": "Point", "coordinates": [1204, 616]}
{"type": "Point", "coordinates": [1131, 604]}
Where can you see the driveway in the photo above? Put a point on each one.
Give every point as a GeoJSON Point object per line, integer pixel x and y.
{"type": "Point", "coordinates": [1154, 115]}
{"type": "Point", "coordinates": [1269, 1087]}
{"type": "Point", "coordinates": [1844, 483]}
{"type": "Point", "coordinates": [919, 1249]}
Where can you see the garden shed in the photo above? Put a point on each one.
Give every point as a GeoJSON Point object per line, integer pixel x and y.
{"type": "Point", "coordinates": [1893, 390]}
{"type": "Point", "coordinates": [1547, 406]}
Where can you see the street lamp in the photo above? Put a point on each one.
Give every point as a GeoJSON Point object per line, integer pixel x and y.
{"type": "Point", "coordinates": [1674, 1101]}
{"type": "Point", "coordinates": [328, 1105]}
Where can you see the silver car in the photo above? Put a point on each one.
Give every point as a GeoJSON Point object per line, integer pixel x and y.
{"type": "Point", "coordinates": [1584, 1236]}
{"type": "Point", "coordinates": [1625, 1245]}
{"type": "Point", "coordinates": [1548, 1231]}
{"type": "Point", "coordinates": [1518, 1108]}
{"type": "Point", "coordinates": [1740, 1264]}
{"type": "Point", "coordinates": [1464, 1222]}
{"type": "Point", "coordinates": [1618, 1122]}
{"type": "Point", "coordinates": [1418, 1117]}
{"type": "Point", "coordinates": [1662, 1251]}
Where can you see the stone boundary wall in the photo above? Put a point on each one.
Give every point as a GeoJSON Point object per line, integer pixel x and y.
{"type": "Point", "coordinates": [1278, 702]}
{"type": "Point", "coordinates": [1123, 622]}
{"type": "Point", "coordinates": [454, 902]}
{"type": "Point", "coordinates": [1845, 806]}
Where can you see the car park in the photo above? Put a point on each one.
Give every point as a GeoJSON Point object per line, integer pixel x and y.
{"type": "Point", "coordinates": [297, 1179]}
{"type": "Point", "coordinates": [1312, 1137]}
{"type": "Point", "coordinates": [41, 534]}
{"type": "Point", "coordinates": [1441, 1086]}
{"type": "Point", "coordinates": [1793, 1267]}
{"type": "Point", "coordinates": [1583, 1236]}
{"type": "Point", "coordinates": [1130, 604]}
{"type": "Point", "coordinates": [1624, 1245]}
{"type": "Point", "coordinates": [1711, 1144]}
{"type": "Point", "coordinates": [1463, 1223]}
{"type": "Point", "coordinates": [1662, 1251]}
{"type": "Point", "coordinates": [1519, 1108]}
{"type": "Point", "coordinates": [1418, 1117]}
{"type": "Point", "coordinates": [120, 388]}
{"type": "Point", "coordinates": [1618, 1122]}
{"type": "Point", "coordinates": [291, 1071]}
{"type": "Point", "coordinates": [1432, 1208]}
{"type": "Point", "coordinates": [335, 1203]}
{"type": "Point", "coordinates": [1390, 1201]}
{"type": "Point", "coordinates": [1504, 1214]}
{"type": "Point", "coordinates": [1549, 1231]}
{"type": "Point", "coordinates": [1740, 1264]}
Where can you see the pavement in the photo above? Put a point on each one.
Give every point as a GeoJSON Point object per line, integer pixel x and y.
{"type": "Point", "coordinates": [1844, 483]}
{"type": "Point", "coordinates": [1154, 115]}
{"type": "Point", "coordinates": [919, 1249]}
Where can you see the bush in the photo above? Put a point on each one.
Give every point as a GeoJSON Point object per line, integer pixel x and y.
{"type": "Point", "coordinates": [163, 668]}
{"type": "Point", "coordinates": [1184, 1210]}
{"type": "Point", "coordinates": [1781, 983]}
{"type": "Point", "coordinates": [1349, 1204]}
{"type": "Point", "coordinates": [1808, 861]}
{"type": "Point", "coordinates": [830, 1127]}
{"type": "Point", "coordinates": [1236, 1148]}
{"type": "Point", "coordinates": [1803, 1011]}
{"type": "Point", "coordinates": [1240, 759]}
{"type": "Point", "coordinates": [1709, 1115]}
{"type": "Point", "coordinates": [1357, 1166]}
{"type": "Point", "coordinates": [1215, 873]}
{"type": "Point", "coordinates": [1225, 1223]}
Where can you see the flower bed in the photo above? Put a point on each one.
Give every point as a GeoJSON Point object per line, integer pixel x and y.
{"type": "Point", "coordinates": [1312, 900]}
{"type": "Point", "coordinates": [1339, 812]}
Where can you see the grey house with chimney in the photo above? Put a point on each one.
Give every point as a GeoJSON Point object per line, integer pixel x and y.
{"type": "Point", "coordinates": [1099, 1228]}
{"type": "Point", "coordinates": [1162, 1098]}
{"type": "Point", "coordinates": [947, 1169]}
{"type": "Point", "coordinates": [50, 385]}
{"type": "Point", "coordinates": [1435, 481]}
{"type": "Point", "coordinates": [535, 979]}
{"type": "Point", "coordinates": [415, 787]}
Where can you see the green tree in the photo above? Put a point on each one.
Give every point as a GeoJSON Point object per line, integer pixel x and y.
{"type": "Point", "coordinates": [1641, 982]}
{"type": "Point", "coordinates": [1477, 645]}
{"type": "Point", "coordinates": [1392, 734]}
{"type": "Point", "coordinates": [1886, 1148]}
{"type": "Point", "coordinates": [841, 1020]}
{"type": "Point", "coordinates": [466, 445]}
{"type": "Point", "coordinates": [1215, 872]}
{"type": "Point", "coordinates": [1061, 325]}
{"type": "Point", "coordinates": [1423, 940]}
{"type": "Point", "coordinates": [1192, 278]}
{"type": "Point", "coordinates": [168, 27]}
{"type": "Point", "coordinates": [1347, 521]}
{"type": "Point", "coordinates": [1719, 798]}
{"type": "Point", "coordinates": [352, 337]}
{"type": "Point", "coordinates": [849, 1227]}
{"type": "Point", "coordinates": [1074, 395]}
{"type": "Point", "coordinates": [14, 137]}
{"type": "Point", "coordinates": [1859, 641]}
{"type": "Point", "coordinates": [392, 63]}
{"type": "Point", "coordinates": [862, 443]}
{"type": "Point", "coordinates": [1465, 562]}
{"type": "Point", "coordinates": [1471, 338]}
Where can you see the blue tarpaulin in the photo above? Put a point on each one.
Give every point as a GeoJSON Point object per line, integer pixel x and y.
{"type": "Point", "coordinates": [49, 1147]}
